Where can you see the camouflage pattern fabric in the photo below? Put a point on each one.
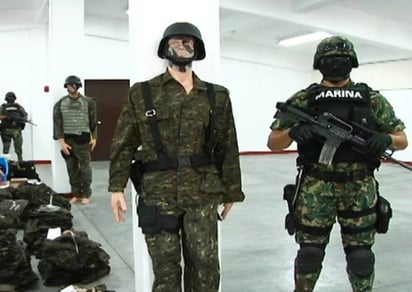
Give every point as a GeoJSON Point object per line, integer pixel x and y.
{"type": "Point", "coordinates": [79, 169]}
{"type": "Point", "coordinates": [199, 244]}
{"type": "Point", "coordinates": [318, 201]}
{"type": "Point", "coordinates": [335, 46]}
{"type": "Point", "coordinates": [15, 134]}
{"type": "Point", "coordinates": [318, 204]}
{"type": "Point", "coordinates": [183, 121]}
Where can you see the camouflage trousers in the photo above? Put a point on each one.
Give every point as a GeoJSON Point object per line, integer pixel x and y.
{"type": "Point", "coordinates": [197, 242]}
{"type": "Point", "coordinates": [79, 169]}
{"type": "Point", "coordinates": [14, 134]}
{"type": "Point", "coordinates": [318, 205]}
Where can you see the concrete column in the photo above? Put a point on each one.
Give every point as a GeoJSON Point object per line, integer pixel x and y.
{"type": "Point", "coordinates": [66, 26]}
{"type": "Point", "coordinates": [147, 22]}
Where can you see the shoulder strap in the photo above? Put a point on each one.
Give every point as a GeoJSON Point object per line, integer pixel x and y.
{"type": "Point", "coordinates": [151, 115]}
{"type": "Point", "coordinates": [211, 133]}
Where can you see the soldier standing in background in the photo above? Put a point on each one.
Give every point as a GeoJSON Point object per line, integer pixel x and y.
{"type": "Point", "coordinates": [184, 131]}
{"type": "Point", "coordinates": [75, 127]}
{"type": "Point", "coordinates": [13, 120]}
{"type": "Point", "coordinates": [345, 189]}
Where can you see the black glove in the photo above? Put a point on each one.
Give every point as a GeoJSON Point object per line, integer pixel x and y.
{"type": "Point", "coordinates": [301, 133]}
{"type": "Point", "coordinates": [377, 144]}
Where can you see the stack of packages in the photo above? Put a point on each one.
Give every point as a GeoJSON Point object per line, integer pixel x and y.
{"type": "Point", "coordinates": [15, 269]}
{"type": "Point", "coordinates": [72, 258]}
{"type": "Point", "coordinates": [66, 258]}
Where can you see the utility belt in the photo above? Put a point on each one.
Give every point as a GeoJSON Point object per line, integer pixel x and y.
{"type": "Point", "coordinates": [168, 163]}
{"type": "Point", "coordinates": [138, 168]}
{"type": "Point", "coordinates": [382, 208]}
{"type": "Point", "coordinates": [80, 138]}
{"type": "Point", "coordinates": [339, 177]}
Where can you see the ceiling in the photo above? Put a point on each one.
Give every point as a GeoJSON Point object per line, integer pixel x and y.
{"type": "Point", "coordinates": [380, 29]}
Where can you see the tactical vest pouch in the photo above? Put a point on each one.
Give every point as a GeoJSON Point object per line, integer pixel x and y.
{"type": "Point", "coordinates": [384, 214]}
{"type": "Point", "coordinates": [152, 222]}
{"type": "Point", "coordinates": [171, 223]}
{"type": "Point", "coordinates": [149, 218]}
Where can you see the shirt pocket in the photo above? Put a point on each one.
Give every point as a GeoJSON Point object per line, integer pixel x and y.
{"type": "Point", "coordinates": [151, 119]}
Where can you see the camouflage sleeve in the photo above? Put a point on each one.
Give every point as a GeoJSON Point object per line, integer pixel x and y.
{"type": "Point", "coordinates": [385, 116]}
{"type": "Point", "coordinates": [298, 99]}
{"type": "Point", "coordinates": [227, 151]}
{"type": "Point", "coordinates": [125, 141]}
{"type": "Point", "coordinates": [57, 122]}
{"type": "Point", "coordinates": [93, 117]}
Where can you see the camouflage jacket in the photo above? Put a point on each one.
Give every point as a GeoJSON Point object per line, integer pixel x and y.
{"type": "Point", "coordinates": [384, 117]}
{"type": "Point", "coordinates": [182, 120]}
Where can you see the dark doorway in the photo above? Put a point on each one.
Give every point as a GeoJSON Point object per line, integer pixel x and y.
{"type": "Point", "coordinates": [109, 95]}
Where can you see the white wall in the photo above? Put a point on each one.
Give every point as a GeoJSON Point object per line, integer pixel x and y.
{"type": "Point", "coordinates": [256, 77]}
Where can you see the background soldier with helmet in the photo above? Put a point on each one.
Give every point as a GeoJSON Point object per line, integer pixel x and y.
{"type": "Point", "coordinates": [13, 120]}
{"type": "Point", "coordinates": [345, 188]}
{"type": "Point", "coordinates": [188, 162]}
{"type": "Point", "coordinates": [75, 127]}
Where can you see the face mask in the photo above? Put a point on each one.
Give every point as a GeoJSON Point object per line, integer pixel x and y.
{"type": "Point", "coordinates": [180, 51]}
{"type": "Point", "coordinates": [335, 68]}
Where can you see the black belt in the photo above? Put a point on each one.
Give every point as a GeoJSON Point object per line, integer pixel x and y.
{"type": "Point", "coordinates": [339, 177]}
{"type": "Point", "coordinates": [167, 163]}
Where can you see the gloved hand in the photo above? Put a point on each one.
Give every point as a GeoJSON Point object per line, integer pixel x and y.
{"type": "Point", "coordinates": [301, 133]}
{"type": "Point", "coordinates": [377, 144]}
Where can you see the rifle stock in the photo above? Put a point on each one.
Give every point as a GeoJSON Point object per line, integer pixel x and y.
{"type": "Point", "coordinates": [334, 130]}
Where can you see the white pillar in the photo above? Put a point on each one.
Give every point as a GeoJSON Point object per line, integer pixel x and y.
{"type": "Point", "coordinates": [147, 22]}
{"type": "Point", "coordinates": [66, 26]}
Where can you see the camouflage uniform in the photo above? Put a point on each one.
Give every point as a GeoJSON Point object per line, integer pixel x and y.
{"type": "Point", "coordinates": [78, 162]}
{"type": "Point", "coordinates": [191, 193]}
{"type": "Point", "coordinates": [11, 129]}
{"type": "Point", "coordinates": [320, 202]}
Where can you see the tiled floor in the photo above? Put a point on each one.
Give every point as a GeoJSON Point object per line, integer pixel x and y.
{"type": "Point", "coordinates": [257, 253]}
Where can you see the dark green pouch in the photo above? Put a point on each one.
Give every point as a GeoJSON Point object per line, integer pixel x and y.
{"type": "Point", "coordinates": [149, 218]}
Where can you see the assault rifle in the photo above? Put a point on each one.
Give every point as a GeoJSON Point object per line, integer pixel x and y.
{"type": "Point", "coordinates": [23, 120]}
{"type": "Point", "coordinates": [334, 130]}
{"type": "Point", "coordinates": [17, 119]}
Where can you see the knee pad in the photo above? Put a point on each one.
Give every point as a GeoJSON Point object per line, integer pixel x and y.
{"type": "Point", "coordinates": [361, 262]}
{"type": "Point", "coordinates": [309, 259]}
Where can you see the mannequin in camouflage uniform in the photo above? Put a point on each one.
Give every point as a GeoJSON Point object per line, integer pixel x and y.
{"type": "Point", "coordinates": [74, 123]}
{"type": "Point", "coordinates": [13, 119]}
{"type": "Point", "coordinates": [189, 163]}
{"type": "Point", "coordinates": [345, 189]}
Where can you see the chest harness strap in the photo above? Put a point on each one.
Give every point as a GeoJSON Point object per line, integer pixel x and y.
{"type": "Point", "coordinates": [165, 162]}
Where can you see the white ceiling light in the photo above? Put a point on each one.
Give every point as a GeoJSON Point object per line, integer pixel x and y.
{"type": "Point", "coordinates": [302, 39]}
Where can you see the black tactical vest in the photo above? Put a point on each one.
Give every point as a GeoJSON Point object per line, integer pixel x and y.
{"type": "Point", "coordinates": [350, 104]}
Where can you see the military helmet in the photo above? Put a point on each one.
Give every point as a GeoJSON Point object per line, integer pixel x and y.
{"type": "Point", "coordinates": [335, 46]}
{"type": "Point", "coordinates": [10, 96]}
{"type": "Point", "coordinates": [183, 28]}
{"type": "Point", "coordinates": [73, 79]}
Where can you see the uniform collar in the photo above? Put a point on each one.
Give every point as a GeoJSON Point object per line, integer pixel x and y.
{"type": "Point", "coordinates": [198, 83]}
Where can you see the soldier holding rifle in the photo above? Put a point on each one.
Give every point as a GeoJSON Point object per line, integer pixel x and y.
{"type": "Point", "coordinates": [336, 179]}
